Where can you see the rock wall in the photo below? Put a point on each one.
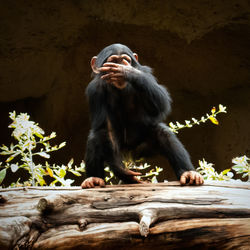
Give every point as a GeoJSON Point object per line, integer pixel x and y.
{"type": "Point", "coordinates": [198, 49]}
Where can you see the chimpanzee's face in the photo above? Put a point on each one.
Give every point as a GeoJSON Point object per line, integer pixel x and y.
{"type": "Point", "coordinates": [119, 59]}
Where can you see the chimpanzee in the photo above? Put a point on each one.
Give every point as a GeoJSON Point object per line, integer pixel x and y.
{"type": "Point", "coordinates": [127, 107]}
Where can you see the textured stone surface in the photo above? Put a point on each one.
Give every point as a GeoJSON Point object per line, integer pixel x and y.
{"type": "Point", "coordinates": [198, 49]}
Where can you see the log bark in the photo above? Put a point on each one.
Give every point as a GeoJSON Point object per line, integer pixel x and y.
{"type": "Point", "coordinates": [143, 216]}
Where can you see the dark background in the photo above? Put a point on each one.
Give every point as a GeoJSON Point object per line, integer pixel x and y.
{"type": "Point", "coordinates": [200, 50]}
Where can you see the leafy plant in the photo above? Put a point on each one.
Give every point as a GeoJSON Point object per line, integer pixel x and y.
{"type": "Point", "coordinates": [32, 143]}
{"type": "Point", "coordinates": [189, 124]}
{"type": "Point", "coordinates": [209, 173]}
{"type": "Point", "coordinates": [242, 166]}
{"type": "Point", "coordinates": [149, 176]}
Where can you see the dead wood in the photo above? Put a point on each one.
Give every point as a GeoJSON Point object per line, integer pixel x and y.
{"type": "Point", "coordinates": [166, 215]}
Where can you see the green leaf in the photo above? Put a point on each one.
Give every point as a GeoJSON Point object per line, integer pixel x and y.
{"type": "Point", "coordinates": [6, 153]}
{"type": "Point", "coordinates": [2, 175]}
{"type": "Point", "coordinates": [68, 182]}
{"type": "Point", "coordinates": [238, 169]}
{"type": "Point", "coordinates": [43, 154]}
{"type": "Point", "coordinates": [38, 135]}
{"type": "Point", "coordinates": [53, 183]}
{"type": "Point", "coordinates": [14, 167]}
{"type": "Point", "coordinates": [10, 159]}
{"type": "Point", "coordinates": [62, 145]}
{"type": "Point", "coordinates": [50, 172]}
{"type": "Point", "coordinates": [40, 179]}
{"type": "Point", "coordinates": [225, 171]}
{"type": "Point", "coordinates": [52, 135]}
{"type": "Point", "coordinates": [75, 172]}
{"type": "Point", "coordinates": [154, 180]}
{"type": "Point", "coordinates": [62, 173]}
{"type": "Point", "coordinates": [213, 120]}
{"type": "Point", "coordinates": [69, 165]}
{"type": "Point", "coordinates": [244, 175]}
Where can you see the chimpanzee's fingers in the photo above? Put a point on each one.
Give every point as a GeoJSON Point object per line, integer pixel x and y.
{"type": "Point", "coordinates": [100, 182]}
{"type": "Point", "coordinates": [199, 179]}
{"type": "Point", "coordinates": [113, 57]}
{"type": "Point", "coordinates": [107, 76]}
{"type": "Point", "coordinates": [183, 179]}
{"type": "Point", "coordinates": [133, 173]}
{"type": "Point", "coordinates": [85, 184]}
{"type": "Point", "coordinates": [91, 182]}
{"type": "Point", "coordinates": [109, 70]}
{"type": "Point", "coordinates": [202, 180]}
{"type": "Point", "coordinates": [112, 74]}
{"type": "Point", "coordinates": [110, 65]}
{"type": "Point", "coordinates": [126, 57]}
{"type": "Point", "coordinates": [125, 62]}
{"type": "Point", "coordinates": [191, 177]}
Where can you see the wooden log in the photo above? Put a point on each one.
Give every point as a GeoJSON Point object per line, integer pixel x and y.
{"type": "Point", "coordinates": [142, 216]}
{"type": "Point", "coordinates": [12, 229]}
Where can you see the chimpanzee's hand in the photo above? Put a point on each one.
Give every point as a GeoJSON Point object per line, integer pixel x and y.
{"type": "Point", "coordinates": [131, 176]}
{"type": "Point", "coordinates": [91, 182]}
{"type": "Point", "coordinates": [116, 74]}
{"type": "Point", "coordinates": [191, 177]}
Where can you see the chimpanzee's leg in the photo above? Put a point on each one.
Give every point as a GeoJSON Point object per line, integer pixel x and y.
{"type": "Point", "coordinates": [100, 149]}
{"type": "Point", "coordinates": [170, 146]}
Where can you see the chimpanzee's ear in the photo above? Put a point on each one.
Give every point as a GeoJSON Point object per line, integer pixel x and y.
{"type": "Point", "coordinates": [136, 56]}
{"type": "Point", "coordinates": [93, 65]}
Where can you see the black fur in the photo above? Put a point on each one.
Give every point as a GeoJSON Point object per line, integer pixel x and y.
{"type": "Point", "coordinates": [135, 114]}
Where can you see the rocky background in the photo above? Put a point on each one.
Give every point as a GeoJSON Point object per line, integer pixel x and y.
{"type": "Point", "coordinates": [199, 49]}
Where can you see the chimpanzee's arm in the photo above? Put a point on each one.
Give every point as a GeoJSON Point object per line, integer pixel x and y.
{"type": "Point", "coordinates": [155, 97]}
{"type": "Point", "coordinates": [96, 97]}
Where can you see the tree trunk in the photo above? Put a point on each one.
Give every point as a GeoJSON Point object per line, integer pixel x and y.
{"type": "Point", "coordinates": [143, 216]}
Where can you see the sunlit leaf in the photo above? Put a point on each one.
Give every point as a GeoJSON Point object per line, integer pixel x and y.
{"type": "Point", "coordinates": [222, 108]}
{"type": "Point", "coordinates": [43, 154]}
{"type": "Point", "coordinates": [62, 144]}
{"type": "Point", "coordinates": [2, 175]}
{"type": "Point", "coordinates": [62, 173]}
{"type": "Point", "coordinates": [50, 172]}
{"type": "Point", "coordinates": [70, 163]}
{"type": "Point", "coordinates": [226, 171]}
{"type": "Point", "coordinates": [14, 167]}
{"type": "Point", "coordinates": [154, 180]}
{"type": "Point", "coordinates": [75, 172]}
{"type": "Point", "coordinates": [52, 135]}
{"type": "Point", "coordinates": [213, 110]}
{"type": "Point", "coordinates": [68, 182]}
{"type": "Point", "coordinates": [38, 135]}
{"type": "Point", "coordinates": [172, 125]}
{"type": "Point", "coordinates": [53, 183]}
{"type": "Point", "coordinates": [40, 180]}
{"type": "Point", "coordinates": [214, 120]}
{"type": "Point", "coordinates": [10, 159]}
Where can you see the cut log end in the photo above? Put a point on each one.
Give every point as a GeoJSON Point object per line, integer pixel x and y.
{"type": "Point", "coordinates": [144, 229]}
{"type": "Point", "coordinates": [82, 224]}
{"type": "Point", "coordinates": [147, 218]}
{"type": "Point", "coordinates": [42, 205]}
